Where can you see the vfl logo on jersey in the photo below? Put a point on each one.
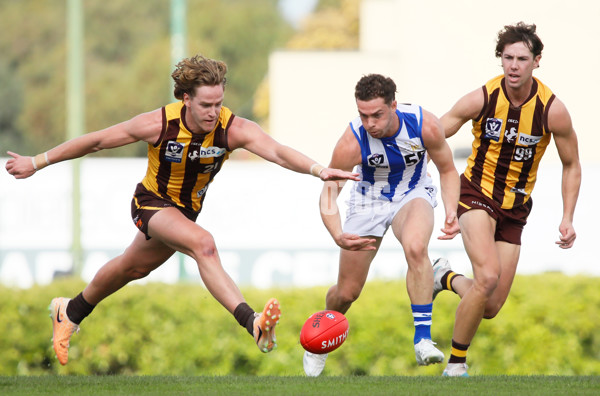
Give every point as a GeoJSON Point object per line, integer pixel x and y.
{"type": "Point", "coordinates": [376, 160]}
{"type": "Point", "coordinates": [206, 152]}
{"type": "Point", "coordinates": [493, 126]}
{"type": "Point", "coordinates": [528, 140]}
{"type": "Point", "coordinates": [174, 151]}
{"type": "Point", "coordinates": [510, 134]}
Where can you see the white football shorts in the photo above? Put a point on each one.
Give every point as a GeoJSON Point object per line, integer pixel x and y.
{"type": "Point", "coordinates": [372, 217]}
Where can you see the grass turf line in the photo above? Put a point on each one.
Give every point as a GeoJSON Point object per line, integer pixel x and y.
{"type": "Point", "coordinates": [296, 385]}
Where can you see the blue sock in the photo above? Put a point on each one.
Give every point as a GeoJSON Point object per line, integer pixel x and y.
{"type": "Point", "coordinates": [422, 320]}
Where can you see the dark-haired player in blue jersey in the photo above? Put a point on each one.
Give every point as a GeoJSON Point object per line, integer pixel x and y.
{"type": "Point", "coordinates": [389, 144]}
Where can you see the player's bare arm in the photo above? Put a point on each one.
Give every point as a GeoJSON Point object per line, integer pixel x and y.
{"type": "Point", "coordinates": [249, 135]}
{"type": "Point", "coordinates": [441, 155]}
{"type": "Point", "coordinates": [145, 127]}
{"type": "Point", "coordinates": [466, 108]}
{"type": "Point", "coordinates": [346, 155]}
{"type": "Point", "coordinates": [565, 139]}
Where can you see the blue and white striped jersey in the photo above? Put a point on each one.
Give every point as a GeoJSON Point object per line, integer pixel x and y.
{"type": "Point", "coordinates": [394, 165]}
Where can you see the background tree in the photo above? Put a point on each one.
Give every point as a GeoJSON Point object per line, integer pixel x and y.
{"type": "Point", "coordinates": [127, 61]}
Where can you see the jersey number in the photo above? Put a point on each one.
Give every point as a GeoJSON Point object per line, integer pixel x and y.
{"type": "Point", "coordinates": [413, 158]}
{"type": "Point", "coordinates": [523, 154]}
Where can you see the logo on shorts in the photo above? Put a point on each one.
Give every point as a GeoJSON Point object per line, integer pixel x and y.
{"type": "Point", "coordinates": [174, 151]}
{"type": "Point", "coordinates": [493, 126]}
{"type": "Point", "coordinates": [376, 160]}
{"type": "Point", "coordinates": [478, 203]}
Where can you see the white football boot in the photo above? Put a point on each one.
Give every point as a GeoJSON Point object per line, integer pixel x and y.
{"type": "Point", "coordinates": [426, 353]}
{"type": "Point", "coordinates": [440, 267]}
{"type": "Point", "coordinates": [456, 370]}
{"type": "Point", "coordinates": [313, 363]}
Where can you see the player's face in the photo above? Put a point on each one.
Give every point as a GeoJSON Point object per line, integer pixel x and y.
{"type": "Point", "coordinates": [518, 63]}
{"type": "Point", "coordinates": [204, 108]}
{"type": "Point", "coordinates": [378, 118]}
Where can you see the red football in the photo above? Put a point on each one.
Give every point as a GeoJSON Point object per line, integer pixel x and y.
{"type": "Point", "coordinates": [324, 331]}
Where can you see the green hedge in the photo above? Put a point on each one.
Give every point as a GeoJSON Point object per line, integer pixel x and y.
{"type": "Point", "coordinates": [550, 325]}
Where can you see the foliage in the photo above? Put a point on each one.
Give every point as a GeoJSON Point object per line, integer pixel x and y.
{"type": "Point", "coordinates": [548, 327]}
{"type": "Point", "coordinates": [127, 61]}
{"type": "Point", "coordinates": [333, 25]}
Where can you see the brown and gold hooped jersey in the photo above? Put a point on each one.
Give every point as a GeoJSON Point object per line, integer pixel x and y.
{"type": "Point", "coordinates": [509, 143]}
{"type": "Point", "coordinates": [181, 164]}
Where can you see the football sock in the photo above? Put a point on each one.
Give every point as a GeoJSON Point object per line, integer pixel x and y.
{"type": "Point", "coordinates": [245, 317]}
{"type": "Point", "coordinates": [422, 321]}
{"type": "Point", "coordinates": [78, 309]}
{"type": "Point", "coordinates": [447, 280]}
{"type": "Point", "coordinates": [459, 353]}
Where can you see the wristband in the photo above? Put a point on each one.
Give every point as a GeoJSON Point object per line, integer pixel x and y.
{"type": "Point", "coordinates": [40, 161]}
{"type": "Point", "coordinates": [316, 169]}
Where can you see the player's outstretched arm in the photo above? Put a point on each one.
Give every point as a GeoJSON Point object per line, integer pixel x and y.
{"type": "Point", "coordinates": [249, 135]}
{"type": "Point", "coordinates": [145, 127]}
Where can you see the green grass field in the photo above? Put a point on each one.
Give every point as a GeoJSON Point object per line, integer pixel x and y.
{"type": "Point", "coordinates": [336, 385]}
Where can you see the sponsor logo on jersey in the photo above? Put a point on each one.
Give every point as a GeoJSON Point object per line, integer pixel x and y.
{"type": "Point", "coordinates": [202, 191]}
{"type": "Point", "coordinates": [206, 152]}
{"type": "Point", "coordinates": [174, 151]}
{"type": "Point", "coordinates": [510, 134]}
{"type": "Point", "coordinates": [377, 160]}
{"type": "Point", "coordinates": [518, 191]}
{"type": "Point", "coordinates": [493, 127]}
{"type": "Point", "coordinates": [528, 140]}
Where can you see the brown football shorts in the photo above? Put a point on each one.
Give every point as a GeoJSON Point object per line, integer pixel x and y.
{"type": "Point", "coordinates": [146, 204]}
{"type": "Point", "coordinates": [509, 222]}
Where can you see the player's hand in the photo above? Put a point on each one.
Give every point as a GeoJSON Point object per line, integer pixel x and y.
{"type": "Point", "coordinates": [337, 174]}
{"type": "Point", "coordinates": [567, 235]}
{"type": "Point", "coordinates": [451, 227]}
{"type": "Point", "coordinates": [355, 242]}
{"type": "Point", "coordinates": [19, 166]}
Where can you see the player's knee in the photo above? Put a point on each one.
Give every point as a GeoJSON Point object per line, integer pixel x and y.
{"type": "Point", "coordinates": [415, 250]}
{"type": "Point", "coordinates": [348, 295]}
{"type": "Point", "coordinates": [204, 245]}
{"type": "Point", "coordinates": [486, 283]}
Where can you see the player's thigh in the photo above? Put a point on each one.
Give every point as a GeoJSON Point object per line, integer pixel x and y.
{"type": "Point", "coordinates": [178, 232]}
{"type": "Point", "coordinates": [477, 228]}
{"type": "Point", "coordinates": [354, 267]}
{"type": "Point", "coordinates": [413, 224]}
{"type": "Point", "coordinates": [145, 255]}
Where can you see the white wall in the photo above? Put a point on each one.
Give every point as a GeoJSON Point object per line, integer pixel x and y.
{"type": "Point", "coordinates": [436, 51]}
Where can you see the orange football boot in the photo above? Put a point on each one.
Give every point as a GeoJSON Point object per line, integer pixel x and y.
{"type": "Point", "coordinates": [62, 328]}
{"type": "Point", "coordinates": [264, 326]}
